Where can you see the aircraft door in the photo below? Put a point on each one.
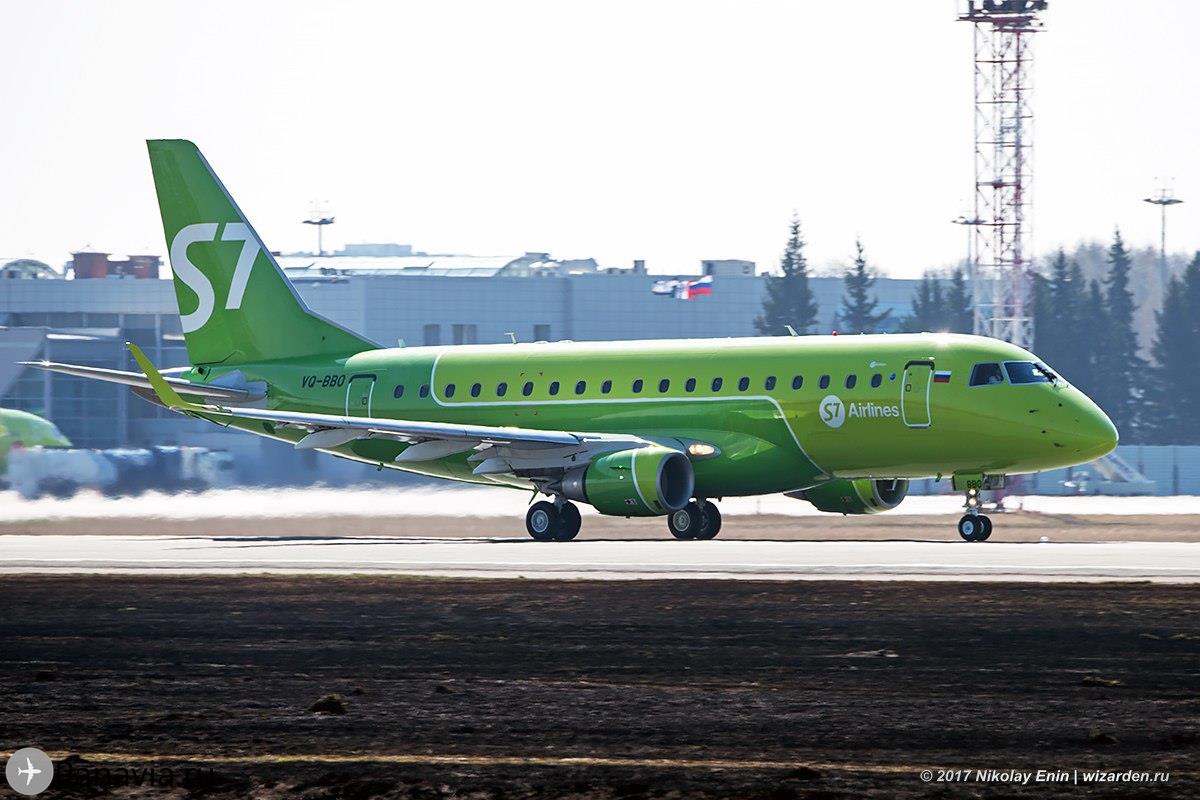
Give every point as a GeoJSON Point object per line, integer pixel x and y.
{"type": "Point", "coordinates": [914, 394]}
{"type": "Point", "coordinates": [358, 395]}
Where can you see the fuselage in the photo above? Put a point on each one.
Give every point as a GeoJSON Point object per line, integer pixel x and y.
{"type": "Point", "coordinates": [783, 413]}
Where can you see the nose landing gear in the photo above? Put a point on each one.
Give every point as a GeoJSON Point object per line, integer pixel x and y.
{"type": "Point", "coordinates": [974, 527]}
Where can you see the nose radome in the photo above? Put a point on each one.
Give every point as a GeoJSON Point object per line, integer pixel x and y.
{"type": "Point", "coordinates": [1097, 435]}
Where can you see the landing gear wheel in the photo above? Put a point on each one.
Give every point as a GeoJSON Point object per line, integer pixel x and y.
{"type": "Point", "coordinates": [569, 522]}
{"type": "Point", "coordinates": [543, 522]}
{"type": "Point", "coordinates": [687, 522]}
{"type": "Point", "coordinates": [987, 528]}
{"type": "Point", "coordinates": [972, 526]}
{"type": "Point", "coordinates": [711, 524]}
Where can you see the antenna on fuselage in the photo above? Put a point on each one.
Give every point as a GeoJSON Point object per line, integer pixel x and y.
{"type": "Point", "coordinates": [512, 336]}
{"type": "Point", "coordinates": [791, 331]}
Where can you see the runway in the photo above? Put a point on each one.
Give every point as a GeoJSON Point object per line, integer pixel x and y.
{"type": "Point", "coordinates": [1167, 562]}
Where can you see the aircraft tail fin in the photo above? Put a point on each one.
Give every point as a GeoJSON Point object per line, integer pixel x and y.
{"type": "Point", "coordinates": [235, 303]}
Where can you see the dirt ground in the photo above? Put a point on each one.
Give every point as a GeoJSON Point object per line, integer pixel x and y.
{"type": "Point", "coordinates": [592, 690]}
{"type": "Point", "coordinates": [1010, 527]}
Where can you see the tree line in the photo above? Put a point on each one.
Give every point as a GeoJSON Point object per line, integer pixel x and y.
{"type": "Point", "coordinates": [1082, 328]}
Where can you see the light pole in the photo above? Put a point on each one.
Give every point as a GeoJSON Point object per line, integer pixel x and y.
{"type": "Point", "coordinates": [971, 224]}
{"type": "Point", "coordinates": [320, 222]}
{"type": "Point", "coordinates": [1162, 200]}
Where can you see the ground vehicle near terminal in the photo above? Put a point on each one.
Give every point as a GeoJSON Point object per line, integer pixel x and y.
{"type": "Point", "coordinates": [650, 428]}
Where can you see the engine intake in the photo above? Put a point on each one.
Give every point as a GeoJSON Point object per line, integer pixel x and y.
{"type": "Point", "coordinates": [861, 496]}
{"type": "Point", "coordinates": [642, 482]}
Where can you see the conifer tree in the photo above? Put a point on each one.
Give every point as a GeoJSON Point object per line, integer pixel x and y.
{"type": "Point", "coordinates": [1093, 379]}
{"type": "Point", "coordinates": [789, 299]}
{"type": "Point", "coordinates": [959, 313]}
{"type": "Point", "coordinates": [928, 307]}
{"type": "Point", "coordinates": [858, 314]}
{"type": "Point", "coordinates": [1058, 329]}
{"type": "Point", "coordinates": [1173, 395]}
{"type": "Point", "coordinates": [1120, 366]}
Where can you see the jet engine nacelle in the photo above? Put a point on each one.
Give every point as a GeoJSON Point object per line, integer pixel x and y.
{"type": "Point", "coordinates": [642, 482]}
{"type": "Point", "coordinates": [861, 496]}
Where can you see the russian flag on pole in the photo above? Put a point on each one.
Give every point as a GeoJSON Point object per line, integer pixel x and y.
{"type": "Point", "coordinates": [696, 288]}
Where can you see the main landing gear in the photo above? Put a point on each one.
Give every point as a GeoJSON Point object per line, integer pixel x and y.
{"type": "Point", "coordinates": [974, 527]}
{"type": "Point", "coordinates": [699, 519]}
{"type": "Point", "coordinates": [553, 522]}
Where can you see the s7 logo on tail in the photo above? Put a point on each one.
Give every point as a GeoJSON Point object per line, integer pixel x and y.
{"type": "Point", "coordinates": [198, 282]}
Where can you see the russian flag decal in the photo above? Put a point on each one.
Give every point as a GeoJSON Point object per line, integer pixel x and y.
{"type": "Point", "coordinates": [941, 376]}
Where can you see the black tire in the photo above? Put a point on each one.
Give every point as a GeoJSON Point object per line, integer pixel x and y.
{"type": "Point", "coordinates": [970, 528]}
{"type": "Point", "coordinates": [987, 528]}
{"type": "Point", "coordinates": [569, 522]}
{"type": "Point", "coordinates": [542, 521]}
{"type": "Point", "coordinates": [711, 524]}
{"type": "Point", "coordinates": [686, 522]}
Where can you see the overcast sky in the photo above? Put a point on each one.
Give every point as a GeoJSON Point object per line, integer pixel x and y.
{"type": "Point", "coordinates": [669, 131]}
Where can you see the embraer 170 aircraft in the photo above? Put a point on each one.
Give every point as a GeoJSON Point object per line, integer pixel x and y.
{"type": "Point", "coordinates": [648, 428]}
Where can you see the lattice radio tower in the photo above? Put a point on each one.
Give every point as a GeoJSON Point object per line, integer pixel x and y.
{"type": "Point", "coordinates": [1002, 255]}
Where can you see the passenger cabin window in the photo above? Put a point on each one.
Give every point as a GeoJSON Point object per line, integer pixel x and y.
{"type": "Point", "coordinates": [664, 385]}
{"type": "Point", "coordinates": [876, 380]}
{"type": "Point", "coordinates": [398, 392]}
{"type": "Point", "coordinates": [637, 386]}
{"type": "Point", "coordinates": [824, 381]}
{"type": "Point", "coordinates": [769, 383]}
{"type": "Point", "coordinates": [1028, 372]}
{"type": "Point", "coordinates": [986, 375]}
{"type": "Point", "coordinates": [475, 389]}
{"type": "Point", "coordinates": [690, 385]}
{"type": "Point", "coordinates": [424, 390]}
{"type": "Point", "coordinates": [449, 390]}
{"type": "Point", "coordinates": [501, 389]}
{"type": "Point", "coordinates": [580, 387]}
{"type": "Point", "coordinates": [743, 384]}
{"type": "Point", "coordinates": [606, 387]}
{"type": "Point", "coordinates": [797, 382]}
{"type": "Point", "coordinates": [553, 388]}
{"type": "Point", "coordinates": [527, 389]}
{"type": "Point", "coordinates": [716, 384]}
{"type": "Point", "coordinates": [851, 381]}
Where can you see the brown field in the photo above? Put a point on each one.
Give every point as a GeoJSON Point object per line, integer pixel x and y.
{"type": "Point", "coordinates": [596, 691]}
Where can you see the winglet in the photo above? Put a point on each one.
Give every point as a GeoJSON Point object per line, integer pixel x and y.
{"type": "Point", "coordinates": [169, 397]}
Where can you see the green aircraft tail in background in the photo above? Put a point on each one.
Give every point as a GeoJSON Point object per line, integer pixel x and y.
{"type": "Point", "coordinates": [236, 305]}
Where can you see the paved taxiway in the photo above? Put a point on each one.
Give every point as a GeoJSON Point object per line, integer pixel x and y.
{"type": "Point", "coordinates": [1176, 562]}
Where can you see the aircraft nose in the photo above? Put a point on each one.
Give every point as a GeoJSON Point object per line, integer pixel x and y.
{"type": "Point", "coordinates": [1095, 435]}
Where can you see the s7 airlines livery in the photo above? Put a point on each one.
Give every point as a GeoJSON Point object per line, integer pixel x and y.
{"type": "Point", "coordinates": [648, 428]}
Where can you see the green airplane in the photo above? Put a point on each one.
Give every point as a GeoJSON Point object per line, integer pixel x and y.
{"type": "Point", "coordinates": [22, 429]}
{"type": "Point", "coordinates": [645, 428]}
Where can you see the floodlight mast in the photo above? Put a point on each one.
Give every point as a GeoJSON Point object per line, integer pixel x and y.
{"type": "Point", "coordinates": [1163, 200]}
{"type": "Point", "coordinates": [320, 222]}
{"type": "Point", "coordinates": [1002, 224]}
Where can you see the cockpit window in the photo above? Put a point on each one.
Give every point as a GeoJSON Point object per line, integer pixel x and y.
{"type": "Point", "coordinates": [1029, 372]}
{"type": "Point", "coordinates": [986, 375]}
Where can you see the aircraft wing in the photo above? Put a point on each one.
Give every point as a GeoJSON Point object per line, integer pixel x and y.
{"type": "Point", "coordinates": [498, 449]}
{"type": "Point", "coordinates": [139, 381]}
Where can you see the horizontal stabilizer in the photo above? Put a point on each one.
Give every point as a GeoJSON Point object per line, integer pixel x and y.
{"type": "Point", "coordinates": [139, 381]}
